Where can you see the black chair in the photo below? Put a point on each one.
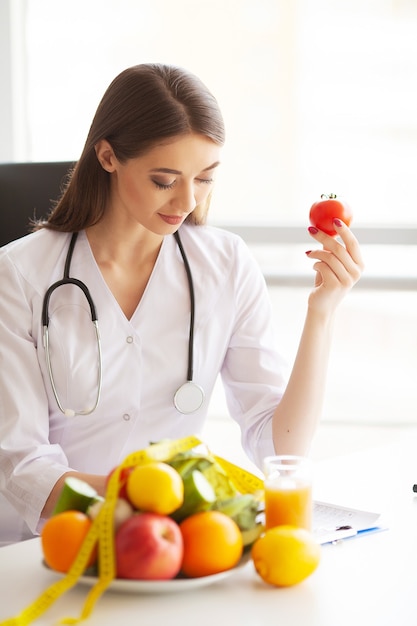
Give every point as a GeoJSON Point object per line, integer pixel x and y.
{"type": "Point", "coordinates": [27, 191]}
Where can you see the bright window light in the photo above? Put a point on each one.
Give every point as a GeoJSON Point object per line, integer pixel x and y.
{"type": "Point", "coordinates": [318, 96]}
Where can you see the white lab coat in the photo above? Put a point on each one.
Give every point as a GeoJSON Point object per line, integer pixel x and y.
{"type": "Point", "coordinates": [144, 358]}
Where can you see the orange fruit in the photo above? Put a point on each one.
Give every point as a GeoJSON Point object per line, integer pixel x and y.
{"type": "Point", "coordinates": [61, 538]}
{"type": "Point", "coordinates": [212, 543]}
{"type": "Point", "coordinates": [285, 555]}
{"type": "Point", "coordinates": [155, 487]}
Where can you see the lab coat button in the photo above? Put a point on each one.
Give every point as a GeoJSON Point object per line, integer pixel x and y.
{"type": "Point", "coordinates": [126, 417]}
{"type": "Point", "coordinates": [129, 339]}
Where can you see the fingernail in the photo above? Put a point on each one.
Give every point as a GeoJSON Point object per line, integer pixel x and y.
{"type": "Point", "coordinates": [337, 222]}
{"type": "Point", "coordinates": [308, 252]}
{"type": "Point", "coordinates": [313, 230]}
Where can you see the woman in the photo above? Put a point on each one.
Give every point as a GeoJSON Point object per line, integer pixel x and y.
{"type": "Point", "coordinates": [138, 200]}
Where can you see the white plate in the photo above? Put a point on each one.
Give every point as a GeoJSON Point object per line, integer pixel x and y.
{"type": "Point", "coordinates": [160, 586]}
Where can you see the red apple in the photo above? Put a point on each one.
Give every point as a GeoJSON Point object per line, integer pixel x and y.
{"type": "Point", "coordinates": [148, 547]}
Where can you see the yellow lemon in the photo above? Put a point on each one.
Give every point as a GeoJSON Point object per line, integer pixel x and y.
{"type": "Point", "coordinates": [285, 555]}
{"type": "Point", "coordinates": [155, 487]}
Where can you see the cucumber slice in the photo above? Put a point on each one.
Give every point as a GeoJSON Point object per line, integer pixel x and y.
{"type": "Point", "coordinates": [199, 495]}
{"type": "Point", "coordinates": [252, 534]}
{"type": "Point", "coordinates": [76, 495]}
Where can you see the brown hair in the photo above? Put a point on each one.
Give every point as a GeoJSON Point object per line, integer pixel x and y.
{"type": "Point", "coordinates": [142, 106]}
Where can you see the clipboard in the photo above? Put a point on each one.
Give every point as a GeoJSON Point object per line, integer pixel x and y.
{"type": "Point", "coordinates": [333, 523]}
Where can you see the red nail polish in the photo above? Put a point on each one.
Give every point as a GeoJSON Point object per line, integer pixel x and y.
{"type": "Point", "coordinates": [337, 222]}
{"type": "Point", "coordinates": [308, 252]}
{"type": "Point", "coordinates": [313, 230]}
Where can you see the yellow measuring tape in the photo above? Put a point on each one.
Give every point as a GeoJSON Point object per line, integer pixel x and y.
{"type": "Point", "coordinates": [101, 531]}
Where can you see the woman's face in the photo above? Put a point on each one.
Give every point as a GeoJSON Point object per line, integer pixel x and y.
{"type": "Point", "coordinates": [159, 189]}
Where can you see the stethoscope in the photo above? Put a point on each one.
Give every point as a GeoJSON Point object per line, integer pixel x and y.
{"type": "Point", "coordinates": [187, 399]}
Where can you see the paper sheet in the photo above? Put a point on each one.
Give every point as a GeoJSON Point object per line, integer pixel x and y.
{"type": "Point", "coordinates": [333, 523]}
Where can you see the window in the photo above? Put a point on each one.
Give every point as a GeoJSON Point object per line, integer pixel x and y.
{"type": "Point", "coordinates": [318, 96]}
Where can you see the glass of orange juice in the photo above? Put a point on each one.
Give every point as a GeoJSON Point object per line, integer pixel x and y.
{"type": "Point", "coordinates": [288, 491]}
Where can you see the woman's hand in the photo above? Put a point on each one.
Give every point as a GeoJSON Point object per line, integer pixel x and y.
{"type": "Point", "coordinates": [338, 267]}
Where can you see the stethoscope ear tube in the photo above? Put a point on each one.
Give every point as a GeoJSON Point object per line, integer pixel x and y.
{"type": "Point", "coordinates": [187, 399]}
{"type": "Point", "coordinates": [60, 283]}
{"type": "Point", "coordinates": [66, 280]}
{"type": "Point", "coordinates": [66, 411]}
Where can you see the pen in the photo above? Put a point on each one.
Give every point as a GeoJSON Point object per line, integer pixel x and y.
{"type": "Point", "coordinates": [334, 535]}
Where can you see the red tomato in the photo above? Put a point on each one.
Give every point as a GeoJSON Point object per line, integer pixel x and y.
{"type": "Point", "coordinates": [323, 212]}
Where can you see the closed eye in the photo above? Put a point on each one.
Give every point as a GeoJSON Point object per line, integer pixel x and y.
{"type": "Point", "coordinates": [160, 185]}
{"type": "Point", "coordinates": [166, 186]}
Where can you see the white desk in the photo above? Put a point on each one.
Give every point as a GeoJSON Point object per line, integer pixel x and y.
{"type": "Point", "coordinates": [369, 580]}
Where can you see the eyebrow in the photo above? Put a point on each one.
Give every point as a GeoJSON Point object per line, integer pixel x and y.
{"type": "Point", "coordinates": [168, 170]}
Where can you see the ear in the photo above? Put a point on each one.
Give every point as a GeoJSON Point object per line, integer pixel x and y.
{"type": "Point", "coordinates": [105, 155]}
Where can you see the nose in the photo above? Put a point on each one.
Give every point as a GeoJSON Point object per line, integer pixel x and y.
{"type": "Point", "coordinates": [184, 198]}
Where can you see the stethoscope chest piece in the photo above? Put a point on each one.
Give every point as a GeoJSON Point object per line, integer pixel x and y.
{"type": "Point", "coordinates": [188, 398]}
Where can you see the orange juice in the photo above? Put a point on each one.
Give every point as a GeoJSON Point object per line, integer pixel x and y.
{"type": "Point", "coordinates": [288, 491]}
{"type": "Point", "coordinates": [288, 505]}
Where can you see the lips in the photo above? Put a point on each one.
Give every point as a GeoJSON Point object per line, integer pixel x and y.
{"type": "Point", "coordinates": [172, 220]}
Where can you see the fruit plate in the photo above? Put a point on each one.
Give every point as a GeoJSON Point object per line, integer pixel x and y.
{"type": "Point", "coordinates": [159, 586]}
